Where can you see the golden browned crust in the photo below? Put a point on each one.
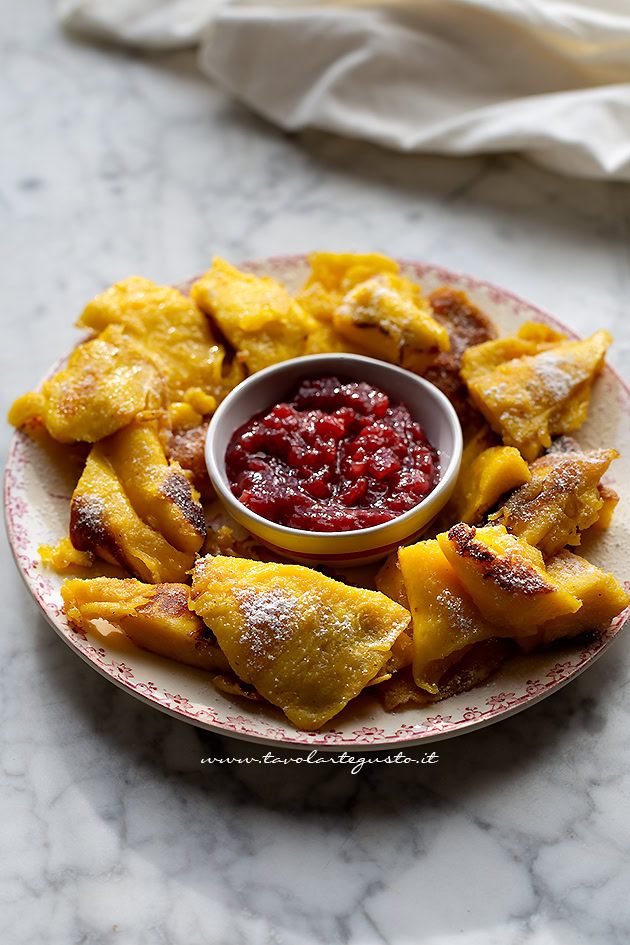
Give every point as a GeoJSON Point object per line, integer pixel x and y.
{"type": "Point", "coordinates": [176, 488]}
{"type": "Point", "coordinates": [466, 326]}
{"type": "Point", "coordinates": [171, 599]}
{"type": "Point", "coordinates": [187, 448]}
{"type": "Point", "coordinates": [511, 573]}
{"type": "Point", "coordinates": [562, 498]}
{"type": "Point", "coordinates": [89, 530]}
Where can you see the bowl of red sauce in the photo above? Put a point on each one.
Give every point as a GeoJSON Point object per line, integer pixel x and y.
{"type": "Point", "coordinates": [334, 458]}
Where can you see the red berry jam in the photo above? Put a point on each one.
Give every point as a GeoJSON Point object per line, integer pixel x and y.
{"type": "Point", "coordinates": [338, 455]}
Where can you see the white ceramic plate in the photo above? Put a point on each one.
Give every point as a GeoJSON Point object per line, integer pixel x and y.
{"type": "Point", "coordinates": [37, 503]}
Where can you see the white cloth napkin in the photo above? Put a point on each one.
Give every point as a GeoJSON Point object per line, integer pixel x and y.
{"type": "Point", "coordinates": [548, 78]}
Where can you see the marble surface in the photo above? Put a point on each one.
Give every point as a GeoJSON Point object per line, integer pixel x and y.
{"type": "Point", "coordinates": [112, 830]}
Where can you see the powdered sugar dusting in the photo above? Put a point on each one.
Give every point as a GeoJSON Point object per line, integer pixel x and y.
{"type": "Point", "coordinates": [459, 616]}
{"type": "Point", "coordinates": [270, 620]}
{"type": "Point", "coordinates": [560, 499]}
{"type": "Point", "coordinates": [567, 562]}
{"type": "Point", "coordinates": [556, 375]}
{"type": "Point", "coordinates": [274, 620]}
{"type": "Point", "coordinates": [369, 309]}
{"type": "Point", "coordinates": [516, 574]}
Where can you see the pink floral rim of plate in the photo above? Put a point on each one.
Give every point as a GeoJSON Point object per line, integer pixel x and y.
{"type": "Point", "coordinates": [441, 725]}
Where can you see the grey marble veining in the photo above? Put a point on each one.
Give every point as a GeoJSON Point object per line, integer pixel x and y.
{"type": "Point", "coordinates": [111, 829]}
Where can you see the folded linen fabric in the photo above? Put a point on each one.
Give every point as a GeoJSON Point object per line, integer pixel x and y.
{"type": "Point", "coordinates": [548, 78]}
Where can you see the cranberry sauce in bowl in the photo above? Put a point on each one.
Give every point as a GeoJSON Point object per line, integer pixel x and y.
{"type": "Point", "coordinates": [331, 446]}
{"type": "Point", "coordinates": [336, 455]}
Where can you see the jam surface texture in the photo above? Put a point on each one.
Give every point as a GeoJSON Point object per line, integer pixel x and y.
{"type": "Point", "coordinates": [337, 456]}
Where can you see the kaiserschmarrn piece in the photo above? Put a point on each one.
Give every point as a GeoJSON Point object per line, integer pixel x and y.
{"type": "Point", "coordinates": [173, 332]}
{"type": "Point", "coordinates": [465, 613]}
{"type": "Point", "coordinates": [467, 669]}
{"type": "Point", "coordinates": [187, 447]}
{"type": "Point", "coordinates": [387, 317]}
{"type": "Point", "coordinates": [560, 501]}
{"type": "Point", "coordinates": [478, 439]}
{"type": "Point", "coordinates": [601, 594]}
{"type": "Point", "coordinates": [530, 398]}
{"type": "Point", "coordinates": [400, 690]}
{"type": "Point", "coordinates": [255, 313]}
{"type": "Point", "coordinates": [107, 382]}
{"type": "Point", "coordinates": [530, 339]}
{"type": "Point", "coordinates": [156, 617]}
{"type": "Point", "coordinates": [505, 577]}
{"type": "Point", "coordinates": [446, 622]}
{"type": "Point", "coordinates": [133, 508]}
{"type": "Point", "coordinates": [466, 327]}
{"type": "Point", "coordinates": [306, 642]}
{"type": "Point", "coordinates": [333, 275]}
{"type": "Point", "coordinates": [495, 471]}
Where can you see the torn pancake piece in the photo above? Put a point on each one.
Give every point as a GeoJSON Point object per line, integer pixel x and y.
{"type": "Point", "coordinates": [387, 317]}
{"type": "Point", "coordinates": [106, 383]}
{"type": "Point", "coordinates": [602, 596]}
{"type": "Point", "coordinates": [156, 617]}
{"type": "Point", "coordinates": [306, 642]}
{"type": "Point", "coordinates": [506, 578]}
{"type": "Point", "coordinates": [334, 274]}
{"type": "Point", "coordinates": [561, 499]}
{"type": "Point", "coordinates": [445, 620]}
{"type": "Point", "coordinates": [529, 399]}
{"type": "Point", "coordinates": [157, 488]}
{"type": "Point", "coordinates": [497, 470]}
{"type": "Point", "coordinates": [133, 508]}
{"type": "Point", "coordinates": [63, 556]}
{"type": "Point", "coordinates": [476, 663]}
{"type": "Point", "coordinates": [173, 332]}
{"type": "Point", "coordinates": [255, 313]}
{"type": "Point", "coordinates": [530, 339]}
